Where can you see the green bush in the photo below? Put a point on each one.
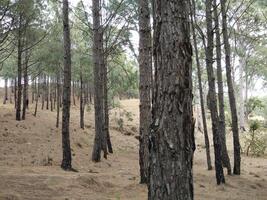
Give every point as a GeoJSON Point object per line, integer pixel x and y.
{"type": "Point", "coordinates": [255, 140]}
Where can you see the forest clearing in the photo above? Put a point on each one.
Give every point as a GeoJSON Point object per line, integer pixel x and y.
{"type": "Point", "coordinates": [31, 156]}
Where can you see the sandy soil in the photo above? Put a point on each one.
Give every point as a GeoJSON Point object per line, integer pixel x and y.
{"type": "Point", "coordinates": [30, 155]}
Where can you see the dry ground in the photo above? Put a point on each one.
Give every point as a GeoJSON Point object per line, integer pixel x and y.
{"type": "Point", "coordinates": [30, 155]}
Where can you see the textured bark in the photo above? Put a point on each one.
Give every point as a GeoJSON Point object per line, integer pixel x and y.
{"type": "Point", "coordinates": [227, 48]}
{"type": "Point", "coordinates": [212, 96]}
{"type": "Point", "coordinates": [66, 161]}
{"type": "Point", "coordinates": [225, 157]}
{"type": "Point", "coordinates": [171, 139]}
{"type": "Point", "coordinates": [100, 142]}
{"type": "Point", "coordinates": [145, 69]}
{"type": "Point", "coordinates": [19, 74]}
{"type": "Point", "coordinates": [6, 92]}
{"type": "Point", "coordinates": [206, 136]}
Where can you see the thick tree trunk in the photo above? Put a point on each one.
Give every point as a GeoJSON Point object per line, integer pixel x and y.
{"type": "Point", "coordinates": [66, 161]}
{"type": "Point", "coordinates": [171, 143]}
{"type": "Point", "coordinates": [206, 136]}
{"type": "Point", "coordinates": [225, 157]}
{"type": "Point", "coordinates": [6, 91]}
{"type": "Point", "coordinates": [145, 69]}
{"type": "Point", "coordinates": [227, 48]}
{"type": "Point", "coordinates": [100, 142]}
{"type": "Point", "coordinates": [212, 96]}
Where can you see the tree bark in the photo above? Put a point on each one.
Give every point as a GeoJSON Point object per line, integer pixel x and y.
{"type": "Point", "coordinates": [19, 86]}
{"type": "Point", "coordinates": [206, 136]}
{"type": "Point", "coordinates": [106, 108]}
{"type": "Point", "coordinates": [15, 92]}
{"type": "Point", "coordinates": [47, 93]}
{"type": "Point", "coordinates": [81, 99]}
{"type": "Point", "coordinates": [212, 96]}
{"type": "Point", "coordinates": [25, 87]}
{"type": "Point", "coordinates": [11, 93]}
{"type": "Point", "coordinates": [225, 158]}
{"type": "Point", "coordinates": [171, 139]}
{"type": "Point", "coordinates": [66, 161]}
{"type": "Point", "coordinates": [227, 48]}
{"type": "Point", "coordinates": [100, 142]}
{"type": "Point", "coordinates": [58, 98]}
{"type": "Point", "coordinates": [145, 70]}
{"type": "Point", "coordinates": [37, 92]}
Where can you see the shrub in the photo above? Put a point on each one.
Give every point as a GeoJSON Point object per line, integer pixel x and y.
{"type": "Point", "coordinates": [255, 140]}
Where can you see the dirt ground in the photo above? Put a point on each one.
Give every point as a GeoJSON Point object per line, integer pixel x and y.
{"type": "Point", "coordinates": [30, 155]}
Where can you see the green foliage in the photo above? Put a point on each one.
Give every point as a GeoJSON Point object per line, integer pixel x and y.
{"type": "Point", "coordinates": [255, 141]}
{"type": "Point", "coordinates": [253, 104]}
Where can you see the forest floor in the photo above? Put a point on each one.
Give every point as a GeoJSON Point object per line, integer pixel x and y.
{"type": "Point", "coordinates": [30, 156]}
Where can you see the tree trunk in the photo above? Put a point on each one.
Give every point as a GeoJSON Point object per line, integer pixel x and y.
{"type": "Point", "coordinates": [15, 92]}
{"type": "Point", "coordinates": [12, 91]}
{"type": "Point", "coordinates": [66, 161]}
{"type": "Point", "coordinates": [6, 91]}
{"type": "Point", "coordinates": [25, 87]}
{"type": "Point", "coordinates": [81, 99]}
{"type": "Point", "coordinates": [106, 108]}
{"type": "Point", "coordinates": [145, 69]}
{"type": "Point", "coordinates": [242, 63]}
{"type": "Point", "coordinates": [73, 93]}
{"type": "Point", "coordinates": [225, 158]}
{"type": "Point", "coordinates": [43, 90]}
{"type": "Point", "coordinates": [100, 142]}
{"type": "Point", "coordinates": [227, 48]}
{"type": "Point", "coordinates": [51, 94]}
{"type": "Point", "coordinates": [212, 96]}
{"type": "Point", "coordinates": [19, 86]}
{"type": "Point", "coordinates": [206, 136]}
{"type": "Point", "coordinates": [171, 139]}
{"type": "Point", "coordinates": [47, 93]}
{"type": "Point", "coordinates": [34, 90]}
{"type": "Point", "coordinates": [37, 92]}
{"type": "Point", "coordinates": [58, 98]}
